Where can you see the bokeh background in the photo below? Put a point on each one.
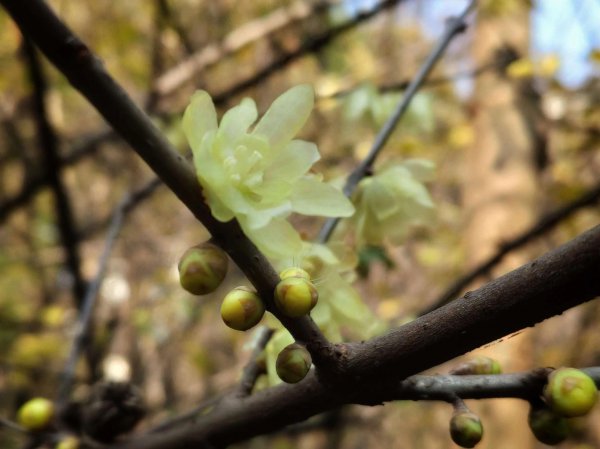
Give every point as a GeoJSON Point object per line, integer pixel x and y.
{"type": "Point", "coordinates": [511, 118]}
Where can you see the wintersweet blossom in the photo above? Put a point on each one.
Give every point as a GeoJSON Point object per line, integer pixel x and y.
{"type": "Point", "coordinates": [393, 200]}
{"type": "Point", "coordinates": [260, 175]}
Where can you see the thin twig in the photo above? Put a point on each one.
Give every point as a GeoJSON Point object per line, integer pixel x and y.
{"type": "Point", "coordinates": [454, 27]}
{"type": "Point", "coordinates": [12, 425]}
{"type": "Point", "coordinates": [239, 38]}
{"type": "Point", "coordinates": [49, 148]}
{"type": "Point", "coordinates": [85, 316]}
{"type": "Point", "coordinates": [253, 369]}
{"type": "Point", "coordinates": [545, 224]}
{"type": "Point", "coordinates": [251, 372]}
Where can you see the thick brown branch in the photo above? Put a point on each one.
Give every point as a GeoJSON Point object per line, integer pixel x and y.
{"type": "Point", "coordinates": [557, 281]}
{"type": "Point", "coordinates": [545, 224]}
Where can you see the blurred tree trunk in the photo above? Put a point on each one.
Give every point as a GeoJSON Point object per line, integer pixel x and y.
{"type": "Point", "coordinates": [500, 193]}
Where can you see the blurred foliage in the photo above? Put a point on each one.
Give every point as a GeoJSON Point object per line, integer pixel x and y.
{"type": "Point", "coordinates": [175, 345]}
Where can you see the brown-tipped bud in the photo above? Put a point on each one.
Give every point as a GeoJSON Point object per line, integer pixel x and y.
{"type": "Point", "coordinates": [293, 363]}
{"type": "Point", "coordinates": [570, 392]}
{"type": "Point", "coordinates": [36, 414]}
{"type": "Point", "coordinates": [294, 272]}
{"type": "Point", "coordinates": [466, 429]}
{"type": "Point", "coordinates": [202, 268]}
{"type": "Point", "coordinates": [479, 365]}
{"type": "Point", "coordinates": [242, 308]}
{"type": "Point", "coordinates": [548, 427]}
{"type": "Point", "coordinates": [295, 296]}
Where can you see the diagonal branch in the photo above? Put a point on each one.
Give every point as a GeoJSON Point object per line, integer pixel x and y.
{"type": "Point", "coordinates": [545, 224]}
{"type": "Point", "coordinates": [454, 27]}
{"type": "Point", "coordinates": [246, 34]}
{"type": "Point", "coordinates": [86, 73]}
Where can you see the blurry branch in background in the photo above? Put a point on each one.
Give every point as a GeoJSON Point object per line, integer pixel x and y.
{"type": "Point", "coordinates": [254, 367]}
{"type": "Point", "coordinates": [37, 181]}
{"type": "Point", "coordinates": [454, 27]}
{"type": "Point", "coordinates": [171, 20]}
{"type": "Point", "coordinates": [250, 374]}
{"type": "Point", "coordinates": [242, 36]}
{"type": "Point", "coordinates": [310, 45]}
{"type": "Point", "coordinates": [11, 425]}
{"type": "Point", "coordinates": [403, 85]}
{"type": "Point", "coordinates": [544, 225]}
{"type": "Point", "coordinates": [48, 147]}
{"type": "Point", "coordinates": [84, 324]}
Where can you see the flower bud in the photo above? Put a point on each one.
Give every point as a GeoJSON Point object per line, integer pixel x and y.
{"type": "Point", "coordinates": [242, 308]}
{"type": "Point", "coordinates": [69, 442]}
{"type": "Point", "coordinates": [294, 272]}
{"type": "Point", "coordinates": [570, 392]}
{"type": "Point", "coordinates": [202, 268]}
{"type": "Point", "coordinates": [295, 296]}
{"type": "Point", "coordinates": [293, 363]}
{"type": "Point", "coordinates": [548, 427]}
{"type": "Point", "coordinates": [36, 414]}
{"type": "Point", "coordinates": [465, 428]}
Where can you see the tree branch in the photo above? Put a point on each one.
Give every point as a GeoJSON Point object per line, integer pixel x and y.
{"type": "Point", "coordinates": [454, 27]}
{"type": "Point", "coordinates": [250, 32]}
{"type": "Point", "coordinates": [86, 73]}
{"type": "Point", "coordinates": [548, 286]}
{"type": "Point", "coordinates": [545, 224]}
{"type": "Point", "coordinates": [84, 321]}
{"type": "Point", "coordinates": [49, 150]}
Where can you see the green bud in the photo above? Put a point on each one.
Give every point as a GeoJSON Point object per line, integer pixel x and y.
{"type": "Point", "coordinates": [295, 296]}
{"type": "Point", "coordinates": [548, 427]}
{"type": "Point", "coordinates": [202, 268]}
{"type": "Point", "coordinates": [69, 442]}
{"type": "Point", "coordinates": [570, 392]}
{"type": "Point", "coordinates": [36, 414]}
{"type": "Point", "coordinates": [294, 272]}
{"type": "Point", "coordinates": [465, 428]}
{"type": "Point", "coordinates": [242, 308]}
{"type": "Point", "coordinates": [293, 363]}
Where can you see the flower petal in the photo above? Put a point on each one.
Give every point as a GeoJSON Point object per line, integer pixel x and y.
{"type": "Point", "coordinates": [312, 197]}
{"type": "Point", "coordinates": [236, 121]}
{"type": "Point", "coordinates": [199, 117]}
{"type": "Point", "coordinates": [277, 239]}
{"type": "Point", "coordinates": [293, 160]}
{"type": "Point", "coordinates": [286, 116]}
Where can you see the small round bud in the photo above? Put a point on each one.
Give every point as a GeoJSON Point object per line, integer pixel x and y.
{"type": "Point", "coordinates": [548, 427]}
{"type": "Point", "coordinates": [466, 429]}
{"type": "Point", "coordinates": [570, 392]}
{"type": "Point", "coordinates": [242, 308]}
{"type": "Point", "coordinates": [36, 414]}
{"type": "Point", "coordinates": [202, 268]}
{"type": "Point", "coordinates": [70, 442]}
{"type": "Point", "coordinates": [294, 272]}
{"type": "Point", "coordinates": [295, 296]}
{"type": "Point", "coordinates": [293, 363]}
